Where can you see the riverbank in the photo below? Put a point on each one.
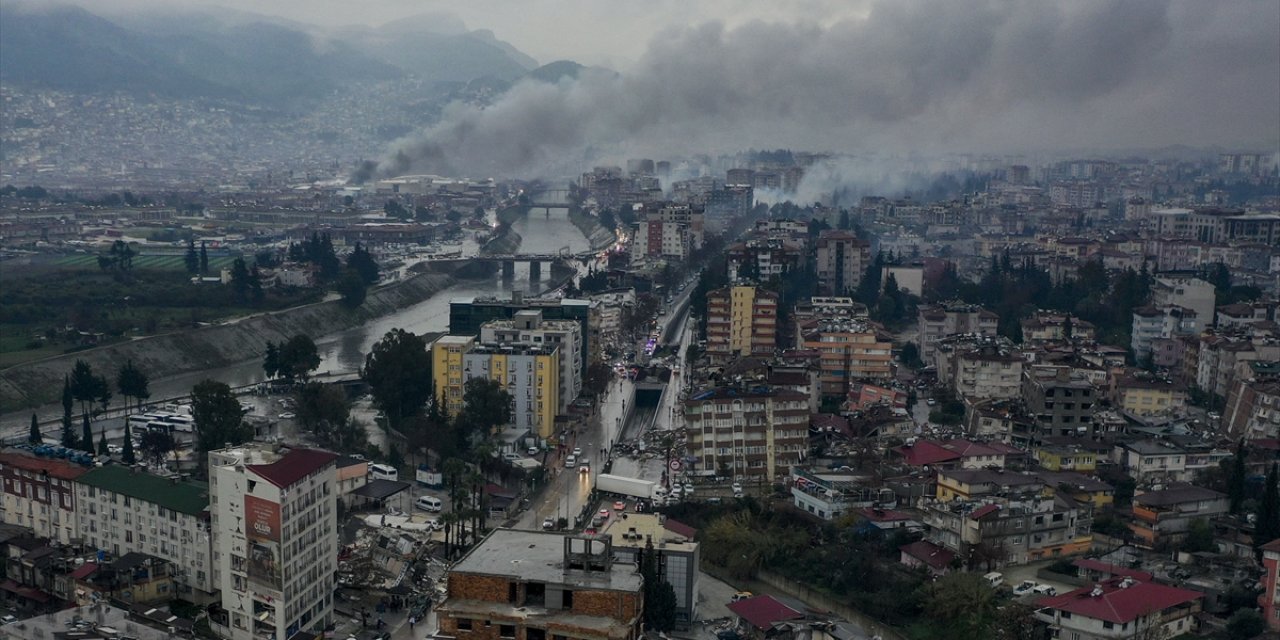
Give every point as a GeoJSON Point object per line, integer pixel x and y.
{"type": "Point", "coordinates": [599, 237]}
{"type": "Point", "coordinates": [505, 241]}
{"type": "Point", "coordinates": [38, 383]}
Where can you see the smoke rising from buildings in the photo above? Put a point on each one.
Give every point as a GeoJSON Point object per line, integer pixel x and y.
{"type": "Point", "coordinates": [913, 76]}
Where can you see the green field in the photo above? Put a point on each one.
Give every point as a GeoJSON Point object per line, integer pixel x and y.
{"type": "Point", "coordinates": [165, 263]}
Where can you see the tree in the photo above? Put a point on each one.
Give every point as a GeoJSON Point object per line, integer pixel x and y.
{"type": "Point", "coordinates": [297, 358]}
{"type": "Point", "coordinates": [1245, 624]}
{"type": "Point", "coordinates": [204, 258]}
{"type": "Point", "coordinates": [103, 449]}
{"type": "Point", "coordinates": [659, 597]}
{"type": "Point", "coordinates": [1268, 525]}
{"type": "Point", "coordinates": [363, 263]}
{"type": "Point", "coordinates": [68, 398]}
{"type": "Point", "coordinates": [599, 375]}
{"type": "Point", "coordinates": [127, 455]}
{"type": "Point", "coordinates": [192, 259]}
{"type": "Point", "coordinates": [1199, 537]}
{"type": "Point", "coordinates": [962, 604]}
{"type": "Point", "coordinates": [217, 416]}
{"type": "Point", "coordinates": [240, 279]}
{"type": "Point", "coordinates": [398, 371]}
{"type": "Point", "coordinates": [911, 355]}
{"type": "Point", "coordinates": [322, 409]}
{"type": "Point", "coordinates": [86, 436]}
{"type": "Point", "coordinates": [485, 406]}
{"type": "Point", "coordinates": [352, 288]}
{"type": "Point", "coordinates": [271, 360]}
{"type": "Point", "coordinates": [1236, 481]}
{"type": "Point", "coordinates": [156, 444]}
{"type": "Point", "coordinates": [133, 383]}
{"type": "Point", "coordinates": [87, 387]}
{"type": "Point", "coordinates": [33, 436]}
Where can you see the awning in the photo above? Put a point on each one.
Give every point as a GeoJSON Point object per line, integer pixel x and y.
{"type": "Point", "coordinates": [380, 489]}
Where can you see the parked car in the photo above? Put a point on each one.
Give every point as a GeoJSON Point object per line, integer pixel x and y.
{"type": "Point", "coordinates": [737, 490]}
{"type": "Point", "coordinates": [1025, 588]}
{"type": "Point", "coordinates": [548, 523]}
{"type": "Point", "coordinates": [1045, 590]}
{"type": "Point", "coordinates": [619, 506]}
{"type": "Point", "coordinates": [741, 595]}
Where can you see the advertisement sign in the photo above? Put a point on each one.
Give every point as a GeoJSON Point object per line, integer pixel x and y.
{"type": "Point", "coordinates": [262, 528]}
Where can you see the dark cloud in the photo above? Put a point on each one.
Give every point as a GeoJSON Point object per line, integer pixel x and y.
{"type": "Point", "coordinates": [913, 75]}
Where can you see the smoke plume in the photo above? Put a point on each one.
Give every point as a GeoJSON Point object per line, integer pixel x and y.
{"type": "Point", "coordinates": [914, 75]}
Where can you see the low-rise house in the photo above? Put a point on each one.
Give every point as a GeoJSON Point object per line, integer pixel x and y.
{"type": "Point", "coordinates": [922, 553]}
{"type": "Point", "coordinates": [997, 531]}
{"type": "Point", "coordinates": [1162, 518]}
{"type": "Point", "coordinates": [757, 616]}
{"type": "Point", "coordinates": [1148, 396]}
{"type": "Point", "coordinates": [1121, 607]}
{"type": "Point", "coordinates": [1269, 600]}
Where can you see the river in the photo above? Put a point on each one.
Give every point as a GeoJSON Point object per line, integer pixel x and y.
{"type": "Point", "coordinates": [344, 351]}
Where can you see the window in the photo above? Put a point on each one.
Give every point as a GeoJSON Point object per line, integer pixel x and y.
{"type": "Point", "coordinates": [506, 631]}
{"type": "Point", "coordinates": [464, 624]}
{"type": "Point", "coordinates": [568, 600]}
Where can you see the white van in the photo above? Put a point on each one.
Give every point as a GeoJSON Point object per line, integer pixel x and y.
{"type": "Point", "coordinates": [429, 503]}
{"type": "Point", "coordinates": [995, 579]}
{"type": "Point", "coordinates": [571, 462]}
{"type": "Point", "coordinates": [383, 472]}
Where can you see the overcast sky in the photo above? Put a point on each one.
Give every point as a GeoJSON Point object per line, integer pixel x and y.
{"type": "Point", "coordinates": [610, 32]}
{"type": "Point", "coordinates": [840, 75]}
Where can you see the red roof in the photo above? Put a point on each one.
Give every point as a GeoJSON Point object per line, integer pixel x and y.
{"type": "Point", "coordinates": [680, 529]}
{"type": "Point", "coordinates": [883, 515]}
{"type": "Point", "coordinates": [293, 466]}
{"type": "Point", "coordinates": [1111, 569]}
{"type": "Point", "coordinates": [929, 553]}
{"type": "Point", "coordinates": [967, 448]}
{"type": "Point", "coordinates": [925, 452]}
{"type": "Point", "coordinates": [1120, 604]}
{"type": "Point", "coordinates": [762, 612]}
{"type": "Point", "coordinates": [84, 570]}
{"type": "Point", "coordinates": [980, 512]}
{"type": "Point", "coordinates": [55, 468]}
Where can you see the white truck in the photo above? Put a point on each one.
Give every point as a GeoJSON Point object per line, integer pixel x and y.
{"type": "Point", "coordinates": [623, 486]}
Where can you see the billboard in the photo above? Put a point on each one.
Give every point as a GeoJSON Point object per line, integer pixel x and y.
{"type": "Point", "coordinates": [262, 528]}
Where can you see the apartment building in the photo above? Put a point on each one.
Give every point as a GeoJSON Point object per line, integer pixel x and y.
{"type": "Point", "coordinates": [528, 327]}
{"type": "Point", "coordinates": [447, 356]}
{"type": "Point", "coordinates": [39, 493]}
{"type": "Point", "coordinates": [275, 539]}
{"type": "Point", "coordinates": [741, 321]}
{"type": "Point", "coordinates": [1253, 410]}
{"type": "Point", "coordinates": [939, 321]}
{"type": "Point", "coordinates": [1165, 461]}
{"type": "Point", "coordinates": [1270, 598]}
{"type": "Point", "coordinates": [1121, 607]}
{"type": "Point", "coordinates": [122, 509]}
{"type": "Point", "coordinates": [531, 372]}
{"type": "Point", "coordinates": [851, 351]}
{"type": "Point", "coordinates": [754, 434]}
{"type": "Point", "coordinates": [1047, 326]}
{"type": "Point", "coordinates": [1162, 518]}
{"type": "Point", "coordinates": [985, 372]}
{"type": "Point", "coordinates": [1214, 225]}
{"type": "Point", "coordinates": [678, 555]}
{"type": "Point", "coordinates": [1188, 293]}
{"type": "Point", "coordinates": [533, 585]}
{"type": "Point", "coordinates": [765, 258]}
{"type": "Point", "coordinates": [1060, 400]}
{"type": "Point", "coordinates": [1152, 323]}
{"type": "Point", "coordinates": [1145, 395]}
{"type": "Point", "coordinates": [467, 315]}
{"type": "Point", "coordinates": [999, 531]}
{"type": "Point", "coordinates": [841, 260]}
{"type": "Point", "coordinates": [671, 232]}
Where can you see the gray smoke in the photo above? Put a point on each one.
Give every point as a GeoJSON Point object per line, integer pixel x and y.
{"type": "Point", "coordinates": [915, 75]}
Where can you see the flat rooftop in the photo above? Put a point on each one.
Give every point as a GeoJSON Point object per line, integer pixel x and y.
{"type": "Point", "coordinates": [538, 556]}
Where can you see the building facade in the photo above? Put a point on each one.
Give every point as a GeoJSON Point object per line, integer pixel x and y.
{"type": "Point", "coordinates": [534, 585]}
{"type": "Point", "coordinates": [275, 539]}
{"type": "Point", "coordinates": [841, 260]}
{"type": "Point", "coordinates": [755, 434]}
{"type": "Point", "coordinates": [851, 351]}
{"type": "Point", "coordinates": [39, 493]}
{"type": "Point", "coordinates": [528, 328]}
{"type": "Point", "coordinates": [741, 321]}
{"type": "Point", "coordinates": [939, 321]}
{"type": "Point", "coordinates": [121, 509]}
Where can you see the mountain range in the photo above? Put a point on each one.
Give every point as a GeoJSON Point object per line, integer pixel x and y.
{"type": "Point", "coordinates": [245, 57]}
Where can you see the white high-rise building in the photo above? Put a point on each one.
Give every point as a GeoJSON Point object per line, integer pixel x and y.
{"type": "Point", "coordinates": [275, 538]}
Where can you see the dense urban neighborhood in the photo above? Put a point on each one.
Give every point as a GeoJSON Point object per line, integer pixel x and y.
{"type": "Point", "coordinates": [884, 320]}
